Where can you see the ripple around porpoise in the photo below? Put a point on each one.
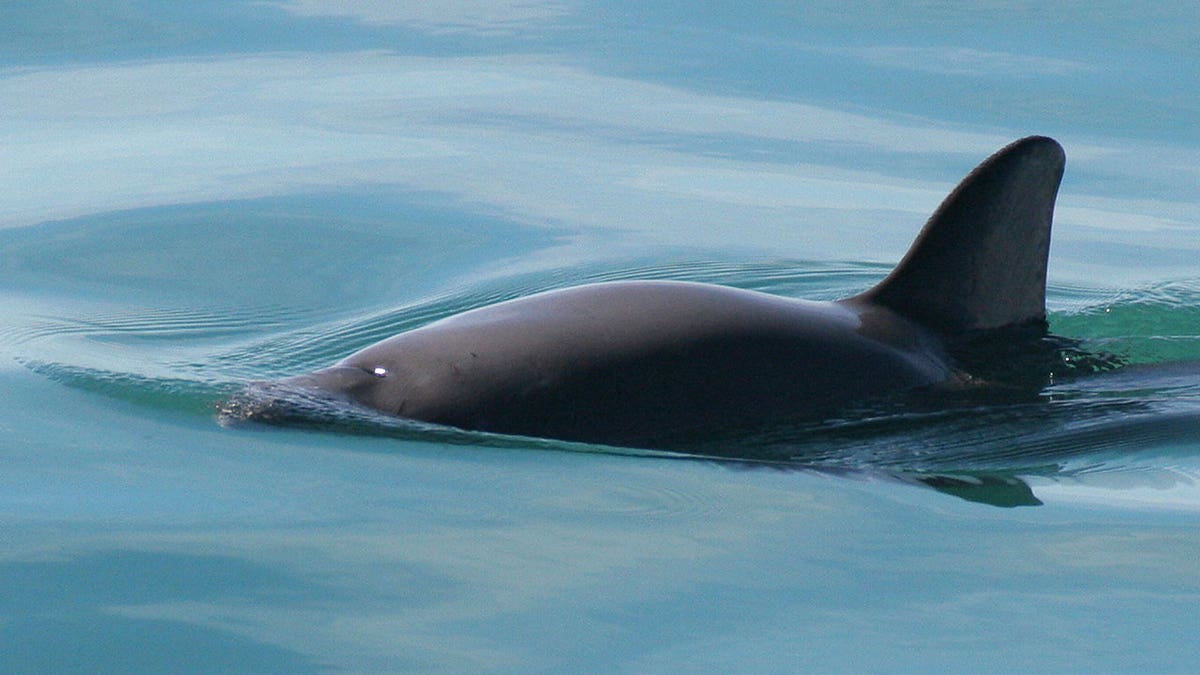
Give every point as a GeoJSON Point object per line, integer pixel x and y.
{"type": "Point", "coordinates": [159, 393]}
{"type": "Point", "coordinates": [197, 361]}
{"type": "Point", "coordinates": [147, 324]}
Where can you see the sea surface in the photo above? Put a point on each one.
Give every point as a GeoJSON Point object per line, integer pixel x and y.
{"type": "Point", "coordinates": [197, 195]}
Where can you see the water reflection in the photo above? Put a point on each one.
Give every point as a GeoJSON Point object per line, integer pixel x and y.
{"type": "Point", "coordinates": [497, 17]}
{"type": "Point", "coordinates": [628, 155]}
{"type": "Point", "coordinates": [89, 612]}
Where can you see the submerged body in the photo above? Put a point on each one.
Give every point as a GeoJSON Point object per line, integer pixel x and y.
{"type": "Point", "coordinates": [650, 363]}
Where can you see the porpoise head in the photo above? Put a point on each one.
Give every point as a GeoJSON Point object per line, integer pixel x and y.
{"type": "Point", "coordinates": [320, 396]}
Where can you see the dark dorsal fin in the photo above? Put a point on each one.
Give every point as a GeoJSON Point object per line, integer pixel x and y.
{"type": "Point", "coordinates": [980, 261]}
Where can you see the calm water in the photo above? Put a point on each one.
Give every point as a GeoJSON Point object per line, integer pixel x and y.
{"type": "Point", "coordinates": [194, 196]}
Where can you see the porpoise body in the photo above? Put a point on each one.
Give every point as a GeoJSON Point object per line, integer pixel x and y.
{"type": "Point", "coordinates": [646, 363]}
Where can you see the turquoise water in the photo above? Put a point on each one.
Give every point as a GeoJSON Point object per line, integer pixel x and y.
{"type": "Point", "coordinates": [196, 196]}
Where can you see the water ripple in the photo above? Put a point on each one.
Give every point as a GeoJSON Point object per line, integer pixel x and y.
{"type": "Point", "coordinates": [189, 359]}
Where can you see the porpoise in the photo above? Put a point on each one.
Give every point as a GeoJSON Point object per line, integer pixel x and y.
{"type": "Point", "coordinates": [648, 363]}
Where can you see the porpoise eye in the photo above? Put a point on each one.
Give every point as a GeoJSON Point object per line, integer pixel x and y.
{"type": "Point", "coordinates": [379, 371]}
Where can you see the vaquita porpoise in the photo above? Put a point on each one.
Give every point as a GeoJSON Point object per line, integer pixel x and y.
{"type": "Point", "coordinates": [644, 363]}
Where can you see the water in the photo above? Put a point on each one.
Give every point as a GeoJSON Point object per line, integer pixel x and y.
{"type": "Point", "coordinates": [195, 196]}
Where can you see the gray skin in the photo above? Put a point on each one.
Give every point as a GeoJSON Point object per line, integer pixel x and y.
{"type": "Point", "coordinates": [646, 363]}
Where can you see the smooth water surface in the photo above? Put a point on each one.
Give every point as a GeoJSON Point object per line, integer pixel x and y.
{"type": "Point", "coordinates": [194, 195]}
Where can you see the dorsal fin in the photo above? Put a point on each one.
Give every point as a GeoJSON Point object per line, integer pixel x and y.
{"type": "Point", "coordinates": [980, 261]}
